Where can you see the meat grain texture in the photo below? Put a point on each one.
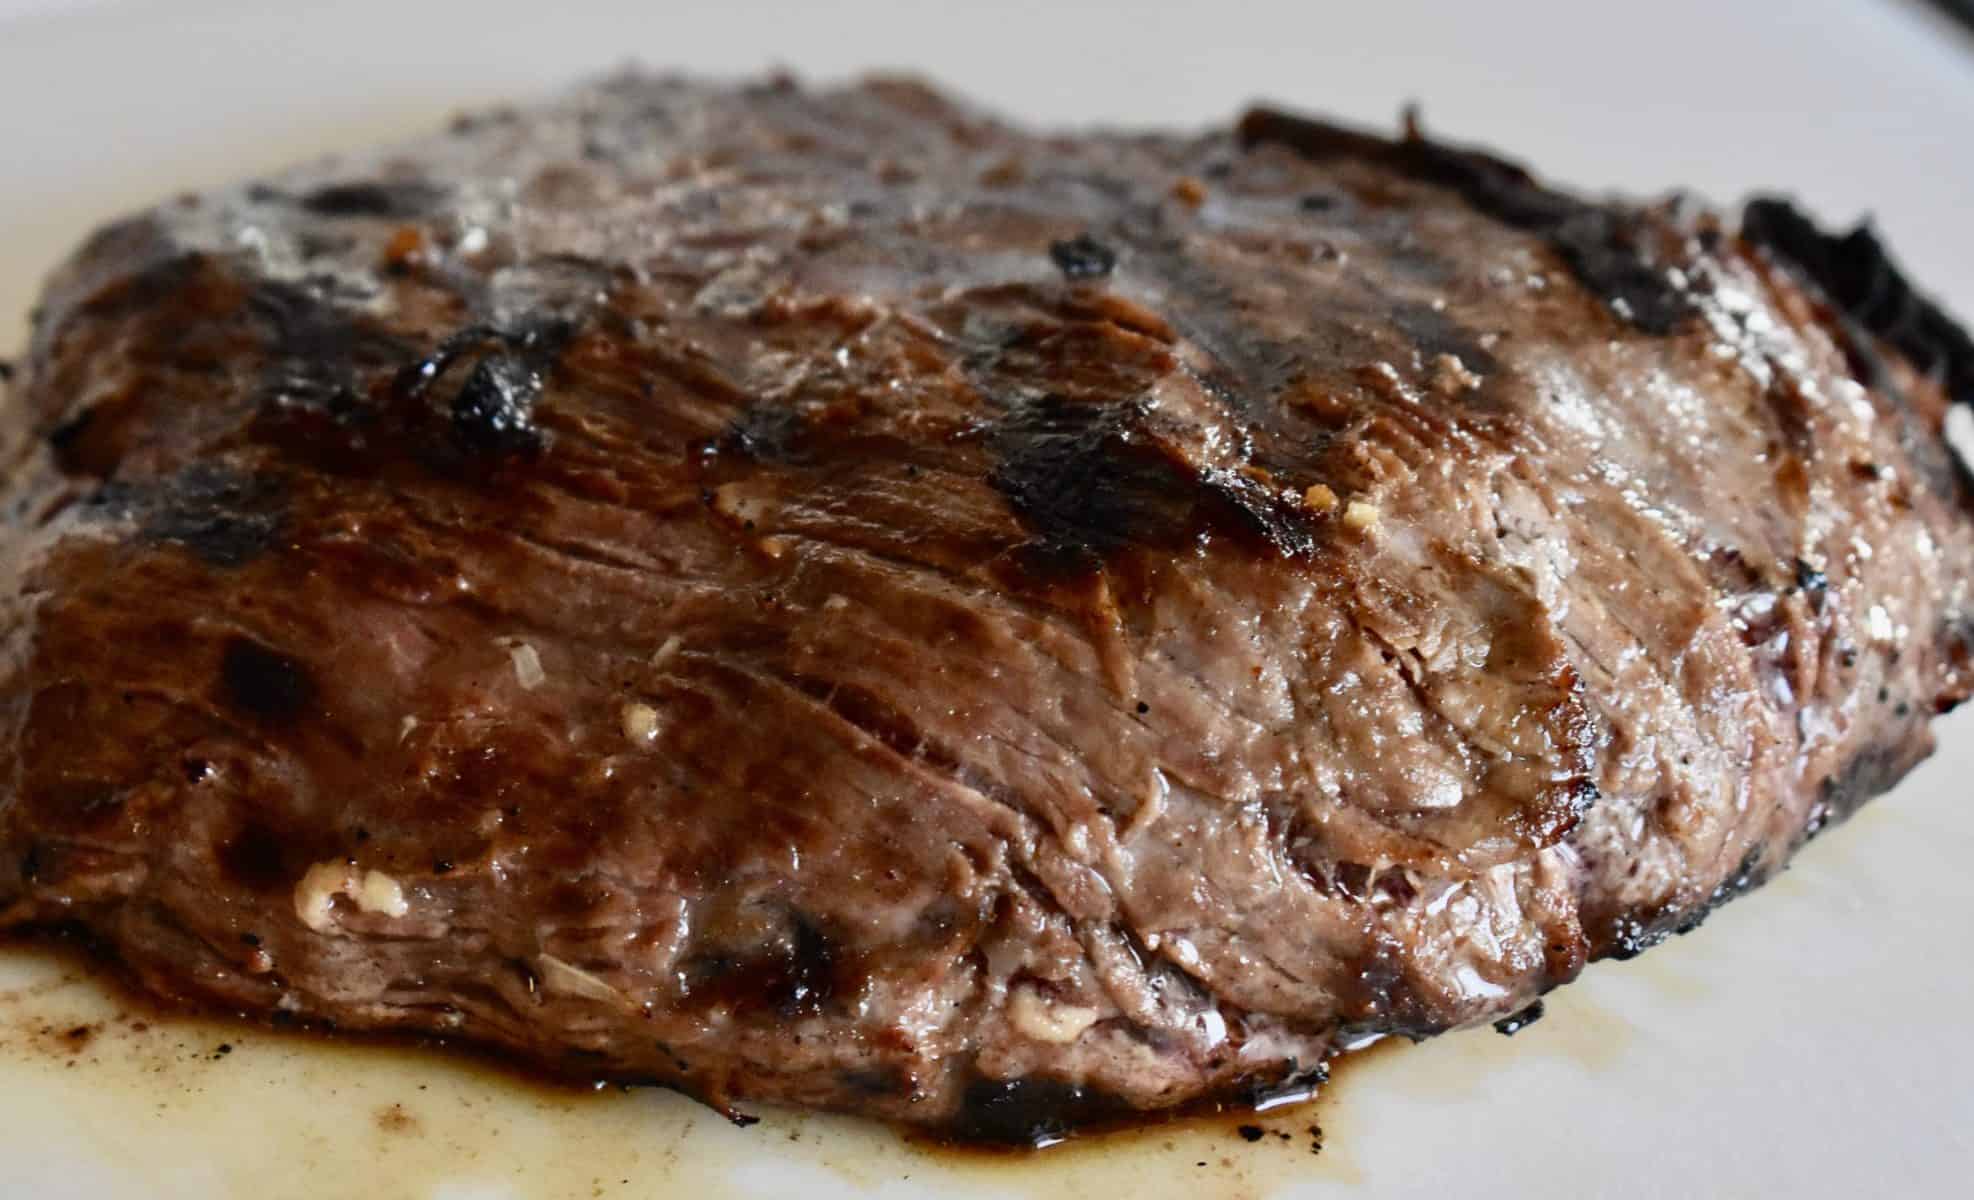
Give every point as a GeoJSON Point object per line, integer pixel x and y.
{"type": "Point", "coordinates": [825, 597]}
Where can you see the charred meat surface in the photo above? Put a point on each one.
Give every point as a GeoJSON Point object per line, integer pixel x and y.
{"type": "Point", "coordinates": [826, 597]}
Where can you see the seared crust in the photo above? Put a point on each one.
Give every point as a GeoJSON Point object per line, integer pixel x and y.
{"type": "Point", "coordinates": [826, 597]}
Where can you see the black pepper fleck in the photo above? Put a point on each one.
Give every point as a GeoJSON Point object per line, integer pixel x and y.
{"type": "Point", "coordinates": [1083, 257]}
{"type": "Point", "coordinates": [1252, 1133]}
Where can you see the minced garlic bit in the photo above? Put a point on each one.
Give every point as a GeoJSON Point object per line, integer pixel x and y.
{"type": "Point", "coordinates": [527, 665]}
{"type": "Point", "coordinates": [665, 652]}
{"type": "Point", "coordinates": [379, 893]}
{"type": "Point", "coordinates": [1452, 376]}
{"type": "Point", "coordinates": [405, 727]}
{"type": "Point", "coordinates": [371, 891]}
{"type": "Point", "coordinates": [1320, 498]}
{"type": "Point", "coordinates": [640, 722]}
{"type": "Point", "coordinates": [320, 886]}
{"type": "Point", "coordinates": [1360, 517]}
{"type": "Point", "coordinates": [836, 602]}
{"type": "Point", "coordinates": [1047, 1020]}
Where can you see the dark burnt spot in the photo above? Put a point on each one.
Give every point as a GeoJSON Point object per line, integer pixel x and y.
{"type": "Point", "coordinates": [494, 410]}
{"type": "Point", "coordinates": [1316, 202]}
{"type": "Point", "coordinates": [223, 517]}
{"type": "Point", "coordinates": [1813, 583]}
{"type": "Point", "coordinates": [1087, 480]}
{"type": "Point", "coordinates": [1859, 276]}
{"type": "Point", "coordinates": [796, 975]}
{"type": "Point", "coordinates": [1871, 772]}
{"type": "Point", "coordinates": [1509, 1026]}
{"type": "Point", "coordinates": [501, 375]}
{"type": "Point", "coordinates": [1251, 1133]}
{"type": "Point", "coordinates": [256, 858]}
{"type": "Point", "coordinates": [1433, 333]}
{"type": "Point", "coordinates": [1034, 1111]}
{"type": "Point", "coordinates": [1092, 479]}
{"type": "Point", "coordinates": [322, 355]}
{"type": "Point", "coordinates": [65, 438]}
{"type": "Point", "coordinates": [1626, 935]}
{"type": "Point", "coordinates": [6, 370]}
{"type": "Point", "coordinates": [264, 683]}
{"type": "Point", "coordinates": [809, 982]}
{"type": "Point", "coordinates": [1746, 877]}
{"type": "Point", "coordinates": [32, 862]}
{"type": "Point", "coordinates": [397, 200]}
{"type": "Point", "coordinates": [1082, 257]}
{"type": "Point", "coordinates": [764, 432]}
{"type": "Point", "coordinates": [1603, 246]}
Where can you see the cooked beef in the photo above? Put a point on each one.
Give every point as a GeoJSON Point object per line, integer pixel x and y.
{"type": "Point", "coordinates": [829, 598]}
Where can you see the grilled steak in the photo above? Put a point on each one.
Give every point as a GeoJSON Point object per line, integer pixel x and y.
{"type": "Point", "coordinates": [825, 597]}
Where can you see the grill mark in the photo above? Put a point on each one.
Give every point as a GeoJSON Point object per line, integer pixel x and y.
{"type": "Point", "coordinates": [225, 518]}
{"type": "Point", "coordinates": [1091, 480]}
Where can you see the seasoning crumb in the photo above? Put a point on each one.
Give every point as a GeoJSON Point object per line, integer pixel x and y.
{"type": "Point", "coordinates": [1360, 517]}
{"type": "Point", "coordinates": [1320, 499]}
{"type": "Point", "coordinates": [1189, 191]}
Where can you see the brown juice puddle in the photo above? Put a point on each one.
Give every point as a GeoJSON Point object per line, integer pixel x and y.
{"type": "Point", "coordinates": [93, 1076]}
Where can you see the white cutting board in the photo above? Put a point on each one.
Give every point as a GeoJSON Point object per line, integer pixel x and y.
{"type": "Point", "coordinates": [1812, 1040]}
